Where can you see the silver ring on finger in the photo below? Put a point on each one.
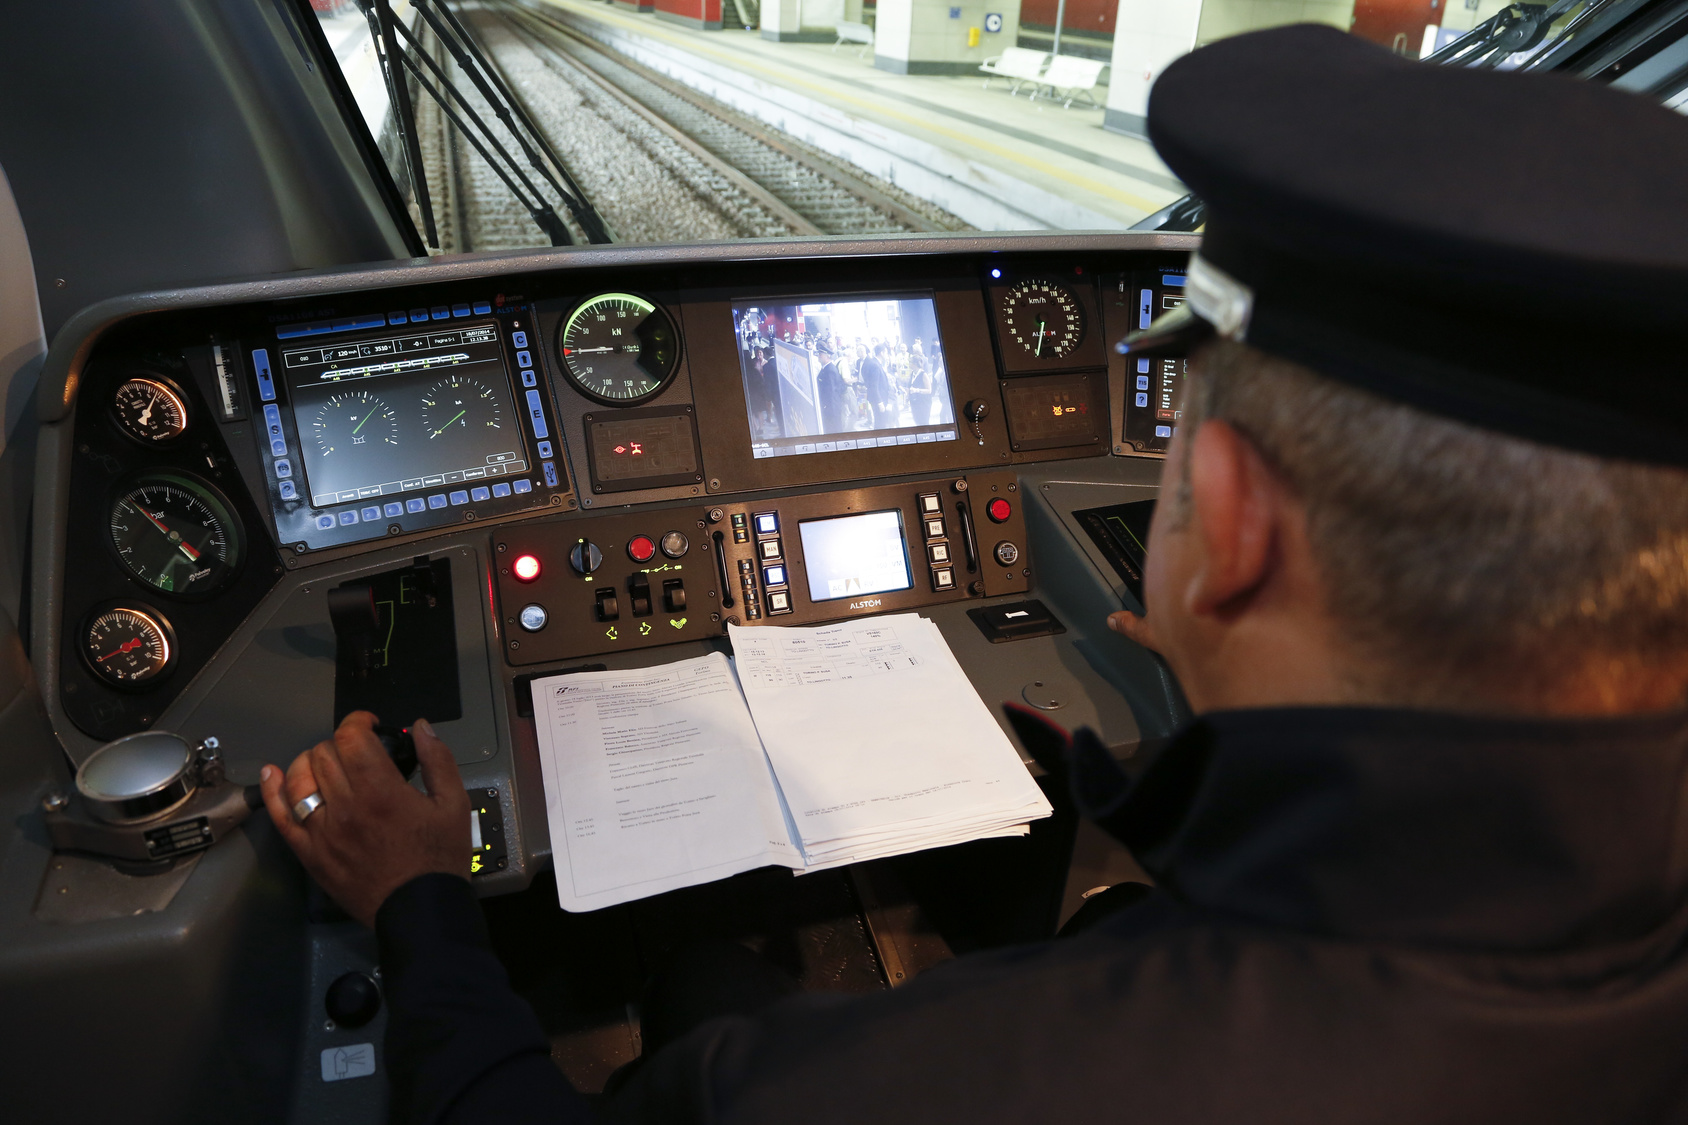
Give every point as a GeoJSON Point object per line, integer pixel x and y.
{"type": "Point", "coordinates": [306, 806]}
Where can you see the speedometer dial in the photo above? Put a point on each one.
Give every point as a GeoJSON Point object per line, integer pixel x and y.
{"type": "Point", "coordinates": [1043, 318]}
{"type": "Point", "coordinates": [175, 533]}
{"type": "Point", "coordinates": [619, 349]}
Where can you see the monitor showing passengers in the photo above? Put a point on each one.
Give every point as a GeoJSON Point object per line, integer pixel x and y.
{"type": "Point", "coordinates": [831, 374]}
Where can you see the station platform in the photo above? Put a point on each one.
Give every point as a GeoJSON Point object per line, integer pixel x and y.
{"type": "Point", "coordinates": [995, 160]}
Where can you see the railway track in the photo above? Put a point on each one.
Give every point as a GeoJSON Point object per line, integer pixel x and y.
{"type": "Point", "coordinates": [660, 162]}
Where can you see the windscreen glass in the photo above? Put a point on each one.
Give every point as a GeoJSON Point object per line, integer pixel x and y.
{"type": "Point", "coordinates": [822, 376]}
{"type": "Point", "coordinates": [403, 411]}
{"type": "Point", "coordinates": [853, 555]}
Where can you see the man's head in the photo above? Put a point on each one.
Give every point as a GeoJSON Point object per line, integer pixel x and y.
{"type": "Point", "coordinates": [1318, 544]}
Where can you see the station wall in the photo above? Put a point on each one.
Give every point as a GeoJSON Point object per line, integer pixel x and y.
{"type": "Point", "coordinates": [932, 36]}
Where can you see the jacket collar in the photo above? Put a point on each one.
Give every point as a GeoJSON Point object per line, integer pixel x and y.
{"type": "Point", "coordinates": [1411, 826]}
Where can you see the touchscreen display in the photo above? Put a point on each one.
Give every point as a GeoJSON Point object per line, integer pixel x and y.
{"type": "Point", "coordinates": [403, 411]}
{"type": "Point", "coordinates": [852, 555]}
{"type": "Point", "coordinates": [831, 374]}
{"type": "Point", "coordinates": [1155, 395]}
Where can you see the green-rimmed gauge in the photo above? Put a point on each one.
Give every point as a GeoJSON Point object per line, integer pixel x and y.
{"type": "Point", "coordinates": [175, 533]}
{"type": "Point", "coordinates": [619, 349]}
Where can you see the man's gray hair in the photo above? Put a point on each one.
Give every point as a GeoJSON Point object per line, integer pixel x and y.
{"type": "Point", "coordinates": [1456, 553]}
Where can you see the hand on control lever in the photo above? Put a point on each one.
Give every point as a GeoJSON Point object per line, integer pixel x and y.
{"type": "Point", "coordinates": [373, 833]}
{"type": "Point", "coordinates": [1135, 627]}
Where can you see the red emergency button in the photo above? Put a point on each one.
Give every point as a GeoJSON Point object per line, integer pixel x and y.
{"type": "Point", "coordinates": [999, 510]}
{"type": "Point", "coordinates": [525, 568]}
{"type": "Point", "coordinates": [641, 549]}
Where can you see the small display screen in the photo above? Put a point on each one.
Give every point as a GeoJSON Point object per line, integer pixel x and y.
{"type": "Point", "coordinates": [822, 376]}
{"type": "Point", "coordinates": [402, 411]}
{"type": "Point", "coordinates": [852, 555]}
{"type": "Point", "coordinates": [1051, 411]}
{"type": "Point", "coordinates": [1154, 398]}
{"type": "Point", "coordinates": [646, 448]}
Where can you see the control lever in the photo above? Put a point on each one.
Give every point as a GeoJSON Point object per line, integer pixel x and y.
{"type": "Point", "coordinates": [400, 745]}
{"type": "Point", "coordinates": [352, 611]}
{"type": "Point", "coordinates": [721, 570]}
{"type": "Point", "coordinates": [976, 411]}
{"type": "Point", "coordinates": [965, 518]}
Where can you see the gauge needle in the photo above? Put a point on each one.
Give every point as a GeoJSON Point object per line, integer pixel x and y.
{"type": "Point", "coordinates": [1039, 351]}
{"type": "Point", "coordinates": [591, 351]}
{"type": "Point", "coordinates": [146, 415]}
{"type": "Point", "coordinates": [445, 427]}
{"type": "Point", "coordinates": [126, 646]}
{"type": "Point", "coordinates": [193, 555]}
{"type": "Point", "coordinates": [359, 426]}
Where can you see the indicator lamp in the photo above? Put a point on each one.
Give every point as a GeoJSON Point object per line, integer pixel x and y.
{"type": "Point", "coordinates": [525, 568]}
{"type": "Point", "coordinates": [996, 273]}
{"type": "Point", "coordinates": [999, 510]}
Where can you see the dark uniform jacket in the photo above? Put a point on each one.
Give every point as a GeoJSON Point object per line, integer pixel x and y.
{"type": "Point", "coordinates": [1362, 916]}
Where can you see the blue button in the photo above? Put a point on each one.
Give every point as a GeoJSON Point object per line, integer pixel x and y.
{"type": "Point", "coordinates": [1142, 382]}
{"type": "Point", "coordinates": [395, 509]}
{"type": "Point", "coordinates": [767, 523]}
{"type": "Point", "coordinates": [272, 418]}
{"type": "Point", "coordinates": [371, 513]}
{"type": "Point", "coordinates": [550, 468]}
{"type": "Point", "coordinates": [501, 490]}
{"type": "Point", "coordinates": [437, 500]}
{"type": "Point", "coordinates": [1142, 399]}
{"type": "Point", "coordinates": [348, 518]}
{"type": "Point", "coordinates": [278, 447]}
{"type": "Point", "coordinates": [1163, 431]}
{"type": "Point", "coordinates": [283, 469]}
{"type": "Point", "coordinates": [399, 317]}
{"type": "Point", "coordinates": [289, 491]}
{"type": "Point", "coordinates": [523, 486]}
{"type": "Point", "coordinates": [537, 413]}
{"type": "Point", "coordinates": [266, 381]}
{"type": "Point", "coordinates": [324, 522]}
{"type": "Point", "coordinates": [460, 497]}
{"type": "Point", "coordinates": [529, 379]}
{"type": "Point", "coordinates": [1142, 365]}
{"type": "Point", "coordinates": [519, 339]}
{"type": "Point", "coordinates": [773, 576]}
{"type": "Point", "coordinates": [482, 307]}
{"type": "Point", "coordinates": [289, 331]}
{"type": "Point", "coordinates": [415, 504]}
{"type": "Point", "coordinates": [524, 359]}
{"type": "Point", "coordinates": [417, 316]}
{"type": "Point", "coordinates": [343, 324]}
{"type": "Point", "coordinates": [545, 449]}
{"type": "Point", "coordinates": [369, 320]}
{"type": "Point", "coordinates": [461, 308]}
{"type": "Point", "coordinates": [440, 312]}
{"type": "Point", "coordinates": [481, 493]}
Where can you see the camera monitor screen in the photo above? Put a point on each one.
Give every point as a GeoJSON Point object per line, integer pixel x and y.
{"type": "Point", "coordinates": [825, 375]}
{"type": "Point", "coordinates": [851, 555]}
{"type": "Point", "coordinates": [403, 411]}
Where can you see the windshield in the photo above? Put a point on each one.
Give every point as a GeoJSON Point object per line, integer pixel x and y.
{"type": "Point", "coordinates": [517, 123]}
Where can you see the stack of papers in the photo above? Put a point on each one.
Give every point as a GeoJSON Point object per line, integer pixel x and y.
{"type": "Point", "coordinates": [814, 747]}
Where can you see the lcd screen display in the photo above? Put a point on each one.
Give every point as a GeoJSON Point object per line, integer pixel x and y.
{"type": "Point", "coordinates": [851, 555]}
{"type": "Point", "coordinates": [825, 375]}
{"type": "Point", "coordinates": [403, 411]}
{"type": "Point", "coordinates": [1154, 403]}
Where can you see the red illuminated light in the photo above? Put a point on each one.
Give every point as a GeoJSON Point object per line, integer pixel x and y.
{"type": "Point", "coordinates": [525, 568]}
{"type": "Point", "coordinates": [999, 510]}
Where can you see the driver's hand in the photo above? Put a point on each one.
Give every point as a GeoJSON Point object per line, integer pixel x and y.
{"type": "Point", "coordinates": [373, 832]}
{"type": "Point", "coordinates": [1135, 627]}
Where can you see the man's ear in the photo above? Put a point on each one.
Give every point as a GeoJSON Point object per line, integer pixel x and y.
{"type": "Point", "coordinates": [1233, 509]}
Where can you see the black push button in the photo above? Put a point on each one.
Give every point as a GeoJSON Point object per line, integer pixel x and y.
{"type": "Point", "coordinates": [1016, 622]}
{"type": "Point", "coordinates": [352, 1000]}
{"type": "Point", "coordinates": [609, 606]}
{"type": "Point", "coordinates": [674, 595]}
{"type": "Point", "coordinates": [639, 593]}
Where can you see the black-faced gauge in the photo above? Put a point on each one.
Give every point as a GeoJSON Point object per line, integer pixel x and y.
{"type": "Point", "coordinates": [128, 645]}
{"type": "Point", "coordinates": [351, 421]}
{"type": "Point", "coordinates": [1042, 317]}
{"type": "Point", "coordinates": [619, 349]}
{"type": "Point", "coordinates": [176, 533]}
{"type": "Point", "coordinates": [150, 410]}
{"type": "Point", "coordinates": [459, 404]}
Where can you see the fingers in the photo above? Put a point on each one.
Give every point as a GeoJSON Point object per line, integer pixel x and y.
{"type": "Point", "coordinates": [281, 811]}
{"type": "Point", "coordinates": [1135, 627]}
{"type": "Point", "coordinates": [361, 754]}
{"type": "Point", "coordinates": [439, 770]}
{"type": "Point", "coordinates": [331, 778]}
{"type": "Point", "coordinates": [300, 781]}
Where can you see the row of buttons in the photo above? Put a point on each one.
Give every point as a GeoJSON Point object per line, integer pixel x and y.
{"type": "Point", "coordinates": [769, 550]}
{"type": "Point", "coordinates": [417, 504]}
{"type": "Point", "coordinates": [535, 405]}
{"type": "Point", "coordinates": [937, 553]}
{"type": "Point", "coordinates": [376, 320]}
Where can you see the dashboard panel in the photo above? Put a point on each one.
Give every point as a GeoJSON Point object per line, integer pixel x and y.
{"type": "Point", "coordinates": [620, 452]}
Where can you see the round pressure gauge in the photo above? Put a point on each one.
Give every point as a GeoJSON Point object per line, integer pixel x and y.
{"type": "Point", "coordinates": [127, 645]}
{"type": "Point", "coordinates": [1042, 317]}
{"type": "Point", "coordinates": [175, 533]}
{"type": "Point", "coordinates": [619, 349]}
{"type": "Point", "coordinates": [150, 409]}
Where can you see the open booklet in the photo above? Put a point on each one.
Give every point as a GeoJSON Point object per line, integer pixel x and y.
{"type": "Point", "coordinates": [814, 747]}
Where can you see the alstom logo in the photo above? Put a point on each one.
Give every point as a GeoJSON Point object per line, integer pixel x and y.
{"type": "Point", "coordinates": [867, 603]}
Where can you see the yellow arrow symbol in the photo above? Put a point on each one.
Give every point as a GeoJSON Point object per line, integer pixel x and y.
{"type": "Point", "coordinates": [644, 628]}
{"type": "Point", "coordinates": [677, 622]}
{"type": "Point", "coordinates": [611, 633]}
